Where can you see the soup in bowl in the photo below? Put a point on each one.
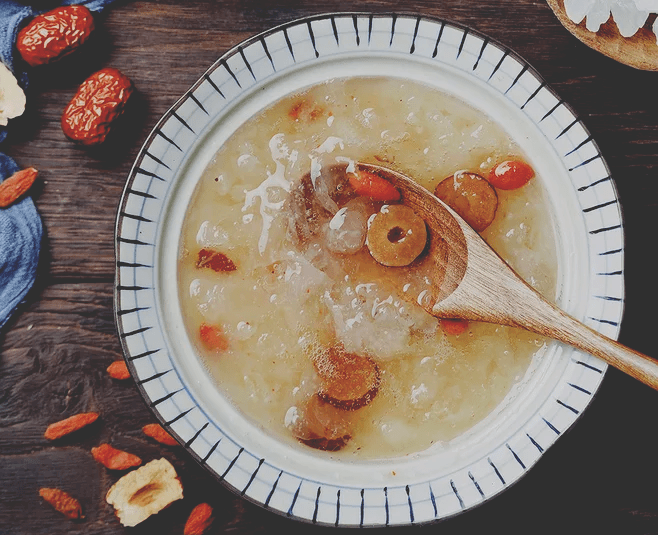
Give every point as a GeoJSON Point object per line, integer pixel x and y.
{"type": "Point", "coordinates": [285, 301]}
{"type": "Point", "coordinates": [270, 292]}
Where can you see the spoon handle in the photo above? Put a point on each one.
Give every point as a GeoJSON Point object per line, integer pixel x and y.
{"type": "Point", "coordinates": [498, 295]}
{"type": "Point", "coordinates": [567, 329]}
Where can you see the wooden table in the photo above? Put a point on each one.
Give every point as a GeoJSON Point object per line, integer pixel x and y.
{"type": "Point", "coordinates": [599, 478]}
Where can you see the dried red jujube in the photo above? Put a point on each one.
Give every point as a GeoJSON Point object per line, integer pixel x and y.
{"type": "Point", "coordinates": [100, 99]}
{"type": "Point", "coordinates": [54, 34]}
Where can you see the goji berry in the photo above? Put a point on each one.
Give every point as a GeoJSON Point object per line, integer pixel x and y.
{"type": "Point", "coordinates": [16, 185]}
{"type": "Point", "coordinates": [373, 186]}
{"type": "Point", "coordinates": [118, 370]}
{"type": "Point", "coordinates": [454, 326]}
{"type": "Point", "coordinates": [199, 520]}
{"type": "Point", "coordinates": [213, 338]}
{"type": "Point", "coordinates": [156, 432]}
{"type": "Point", "coordinates": [113, 458]}
{"type": "Point", "coordinates": [69, 425]}
{"type": "Point", "coordinates": [215, 260]}
{"type": "Point", "coordinates": [62, 502]}
{"type": "Point", "coordinates": [511, 174]}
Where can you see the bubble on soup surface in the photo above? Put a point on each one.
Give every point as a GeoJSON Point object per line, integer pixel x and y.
{"type": "Point", "coordinates": [244, 330]}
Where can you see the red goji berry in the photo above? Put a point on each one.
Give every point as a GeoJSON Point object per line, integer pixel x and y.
{"type": "Point", "coordinates": [199, 520]}
{"type": "Point", "coordinates": [69, 425]}
{"type": "Point", "coordinates": [156, 432]}
{"type": "Point", "coordinates": [113, 458]}
{"type": "Point", "coordinates": [215, 260]}
{"type": "Point", "coordinates": [62, 502]}
{"type": "Point", "coordinates": [16, 185]}
{"type": "Point", "coordinates": [118, 370]}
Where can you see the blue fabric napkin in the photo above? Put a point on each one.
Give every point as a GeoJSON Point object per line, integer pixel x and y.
{"type": "Point", "coordinates": [20, 242]}
{"type": "Point", "coordinates": [20, 224]}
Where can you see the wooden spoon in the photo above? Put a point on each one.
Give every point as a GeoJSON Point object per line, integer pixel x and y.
{"type": "Point", "coordinates": [470, 281]}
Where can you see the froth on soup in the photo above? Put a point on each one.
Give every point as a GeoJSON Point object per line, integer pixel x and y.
{"type": "Point", "coordinates": [296, 322]}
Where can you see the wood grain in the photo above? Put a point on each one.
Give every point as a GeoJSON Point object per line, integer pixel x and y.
{"type": "Point", "coordinates": [600, 478]}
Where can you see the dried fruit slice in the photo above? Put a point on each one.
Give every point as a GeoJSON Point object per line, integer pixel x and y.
{"type": "Point", "coordinates": [145, 492]}
{"type": "Point", "coordinates": [322, 426]}
{"type": "Point", "coordinates": [396, 235]}
{"type": "Point", "coordinates": [12, 97]}
{"type": "Point", "coordinates": [349, 381]}
{"type": "Point", "coordinates": [471, 196]}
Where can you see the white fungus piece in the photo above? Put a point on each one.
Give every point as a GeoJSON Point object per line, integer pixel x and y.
{"type": "Point", "coordinates": [12, 97]}
{"type": "Point", "coordinates": [628, 15]}
{"type": "Point", "coordinates": [145, 492]}
{"type": "Point", "coordinates": [346, 231]}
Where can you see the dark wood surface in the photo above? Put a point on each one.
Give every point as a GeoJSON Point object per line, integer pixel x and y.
{"type": "Point", "coordinates": [598, 478]}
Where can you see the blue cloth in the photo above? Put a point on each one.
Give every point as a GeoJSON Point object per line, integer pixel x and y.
{"type": "Point", "coordinates": [20, 224]}
{"type": "Point", "coordinates": [20, 242]}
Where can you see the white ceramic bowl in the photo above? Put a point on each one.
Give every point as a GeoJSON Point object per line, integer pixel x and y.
{"type": "Point", "coordinates": [312, 486]}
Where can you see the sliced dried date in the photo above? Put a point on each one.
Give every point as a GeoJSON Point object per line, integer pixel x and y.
{"type": "Point", "coordinates": [471, 196]}
{"type": "Point", "coordinates": [323, 426]}
{"type": "Point", "coordinates": [349, 381]}
{"type": "Point", "coordinates": [396, 235]}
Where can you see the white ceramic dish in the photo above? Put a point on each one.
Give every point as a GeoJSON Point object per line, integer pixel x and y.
{"type": "Point", "coordinates": [311, 486]}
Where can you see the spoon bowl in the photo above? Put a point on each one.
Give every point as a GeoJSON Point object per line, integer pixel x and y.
{"type": "Point", "coordinates": [470, 281]}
